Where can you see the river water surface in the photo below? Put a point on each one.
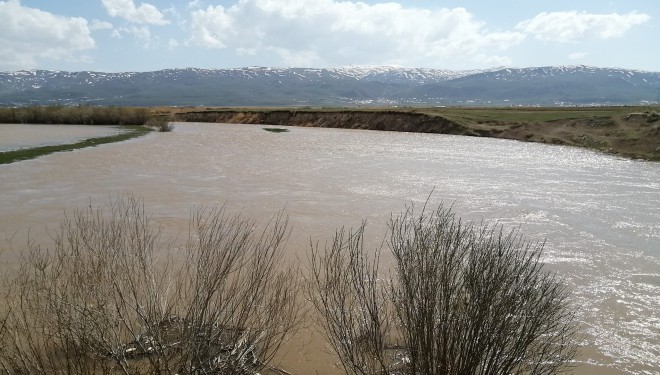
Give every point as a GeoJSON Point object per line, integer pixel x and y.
{"type": "Point", "coordinates": [18, 136]}
{"type": "Point", "coordinates": [599, 214]}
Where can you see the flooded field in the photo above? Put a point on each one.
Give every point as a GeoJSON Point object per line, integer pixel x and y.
{"type": "Point", "coordinates": [19, 136]}
{"type": "Point", "coordinates": [599, 215]}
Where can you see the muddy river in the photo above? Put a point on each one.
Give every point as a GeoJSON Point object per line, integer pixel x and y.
{"type": "Point", "coordinates": [599, 214]}
{"type": "Point", "coordinates": [18, 136]}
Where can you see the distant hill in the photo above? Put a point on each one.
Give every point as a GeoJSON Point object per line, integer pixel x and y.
{"type": "Point", "coordinates": [257, 86]}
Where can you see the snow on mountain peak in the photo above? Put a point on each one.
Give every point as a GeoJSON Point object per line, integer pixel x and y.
{"type": "Point", "coordinates": [350, 84]}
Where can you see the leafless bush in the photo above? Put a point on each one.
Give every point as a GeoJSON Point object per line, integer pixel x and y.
{"type": "Point", "coordinates": [467, 300]}
{"type": "Point", "coordinates": [354, 309]}
{"type": "Point", "coordinates": [653, 117]}
{"type": "Point", "coordinates": [162, 123]}
{"type": "Point", "coordinates": [106, 299]}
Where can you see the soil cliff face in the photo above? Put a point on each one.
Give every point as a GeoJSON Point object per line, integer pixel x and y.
{"type": "Point", "coordinates": [612, 130]}
{"type": "Point", "coordinates": [382, 120]}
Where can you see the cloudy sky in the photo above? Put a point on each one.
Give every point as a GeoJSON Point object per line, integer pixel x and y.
{"type": "Point", "coordinates": [129, 35]}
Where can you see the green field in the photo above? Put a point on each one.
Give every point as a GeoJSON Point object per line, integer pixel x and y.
{"type": "Point", "coordinates": [538, 114]}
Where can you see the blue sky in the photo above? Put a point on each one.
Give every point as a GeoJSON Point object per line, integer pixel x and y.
{"type": "Point", "coordinates": [128, 35]}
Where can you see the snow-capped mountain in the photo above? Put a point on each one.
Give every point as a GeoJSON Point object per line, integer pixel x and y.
{"type": "Point", "coordinates": [375, 85]}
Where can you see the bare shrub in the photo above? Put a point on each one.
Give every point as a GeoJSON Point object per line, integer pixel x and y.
{"type": "Point", "coordinates": [162, 123]}
{"type": "Point", "coordinates": [653, 117]}
{"type": "Point", "coordinates": [107, 299]}
{"type": "Point", "coordinates": [467, 299]}
{"type": "Point", "coordinates": [352, 303]}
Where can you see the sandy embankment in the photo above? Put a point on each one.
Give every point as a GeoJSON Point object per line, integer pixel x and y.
{"type": "Point", "coordinates": [625, 135]}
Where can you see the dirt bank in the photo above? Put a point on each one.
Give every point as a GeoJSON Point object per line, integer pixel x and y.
{"type": "Point", "coordinates": [368, 120]}
{"type": "Point", "coordinates": [631, 132]}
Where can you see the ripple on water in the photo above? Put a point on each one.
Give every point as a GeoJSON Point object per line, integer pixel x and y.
{"type": "Point", "coordinates": [20, 136]}
{"type": "Point", "coordinates": [599, 215]}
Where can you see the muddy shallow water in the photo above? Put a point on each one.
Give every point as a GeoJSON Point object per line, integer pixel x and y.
{"type": "Point", "coordinates": [19, 136]}
{"type": "Point", "coordinates": [599, 215]}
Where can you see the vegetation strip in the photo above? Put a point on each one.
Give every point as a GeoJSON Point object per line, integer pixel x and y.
{"type": "Point", "coordinates": [31, 153]}
{"type": "Point", "coordinates": [276, 130]}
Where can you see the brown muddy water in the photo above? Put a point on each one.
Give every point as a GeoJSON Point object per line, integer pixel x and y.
{"type": "Point", "coordinates": [19, 136]}
{"type": "Point", "coordinates": [599, 214]}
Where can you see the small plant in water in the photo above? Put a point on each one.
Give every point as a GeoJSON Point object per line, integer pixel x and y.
{"type": "Point", "coordinates": [160, 123]}
{"type": "Point", "coordinates": [276, 130]}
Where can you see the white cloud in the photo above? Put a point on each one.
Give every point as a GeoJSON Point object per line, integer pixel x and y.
{"type": "Point", "coordinates": [172, 11]}
{"type": "Point", "coordinates": [496, 60]}
{"type": "Point", "coordinates": [143, 14]}
{"type": "Point", "coordinates": [575, 26]}
{"type": "Point", "coordinates": [333, 32]}
{"type": "Point", "coordinates": [29, 34]}
{"type": "Point", "coordinates": [100, 25]}
{"type": "Point", "coordinates": [173, 44]}
{"type": "Point", "coordinates": [577, 55]}
{"type": "Point", "coordinates": [194, 4]}
{"type": "Point", "coordinates": [141, 33]}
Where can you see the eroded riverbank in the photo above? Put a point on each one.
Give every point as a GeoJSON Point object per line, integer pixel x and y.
{"type": "Point", "coordinates": [632, 132]}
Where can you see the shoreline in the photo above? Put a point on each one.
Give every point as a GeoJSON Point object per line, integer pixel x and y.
{"type": "Point", "coordinates": [132, 131]}
{"type": "Point", "coordinates": [630, 132]}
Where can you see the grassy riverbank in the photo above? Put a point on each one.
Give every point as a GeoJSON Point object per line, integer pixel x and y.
{"type": "Point", "coordinates": [135, 121]}
{"type": "Point", "coordinates": [31, 153]}
{"type": "Point", "coordinates": [632, 132]}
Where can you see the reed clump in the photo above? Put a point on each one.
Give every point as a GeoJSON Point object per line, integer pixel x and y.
{"type": "Point", "coordinates": [162, 123]}
{"type": "Point", "coordinates": [78, 115]}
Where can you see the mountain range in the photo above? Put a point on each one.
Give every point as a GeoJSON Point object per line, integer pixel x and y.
{"type": "Point", "coordinates": [350, 86]}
